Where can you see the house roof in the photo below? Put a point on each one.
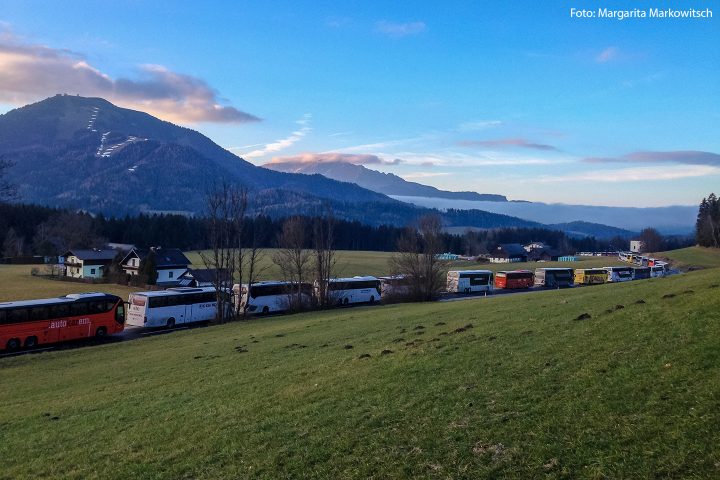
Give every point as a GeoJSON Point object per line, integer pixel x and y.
{"type": "Point", "coordinates": [94, 254]}
{"type": "Point", "coordinates": [164, 257]}
{"type": "Point", "coordinates": [511, 249]}
{"type": "Point", "coordinates": [203, 275]}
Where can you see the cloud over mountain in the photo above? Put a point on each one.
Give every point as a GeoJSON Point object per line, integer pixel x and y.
{"type": "Point", "coordinates": [508, 143]}
{"type": "Point", "coordinates": [355, 159]}
{"type": "Point", "coordinates": [686, 157]}
{"type": "Point", "coordinates": [30, 72]}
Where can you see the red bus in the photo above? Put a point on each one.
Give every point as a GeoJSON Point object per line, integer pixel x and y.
{"type": "Point", "coordinates": [514, 279]}
{"type": "Point", "coordinates": [29, 323]}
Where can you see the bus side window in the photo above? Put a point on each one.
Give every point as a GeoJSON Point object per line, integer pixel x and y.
{"type": "Point", "coordinates": [79, 309]}
{"type": "Point", "coordinates": [17, 315]}
{"type": "Point", "coordinates": [3, 317]}
{"type": "Point", "coordinates": [39, 313]}
{"type": "Point", "coordinates": [59, 311]}
{"type": "Point", "coordinates": [209, 297]}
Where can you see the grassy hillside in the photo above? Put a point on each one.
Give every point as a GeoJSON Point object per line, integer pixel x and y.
{"type": "Point", "coordinates": [503, 387]}
{"type": "Point", "coordinates": [16, 283]}
{"type": "Point", "coordinates": [693, 257]}
{"type": "Point", "coordinates": [351, 263]}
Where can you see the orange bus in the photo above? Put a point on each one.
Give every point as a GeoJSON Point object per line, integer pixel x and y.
{"type": "Point", "coordinates": [29, 323]}
{"type": "Point", "coordinates": [514, 279]}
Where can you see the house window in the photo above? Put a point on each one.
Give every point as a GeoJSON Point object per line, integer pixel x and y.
{"type": "Point", "coordinates": [170, 274]}
{"type": "Point", "coordinates": [92, 271]}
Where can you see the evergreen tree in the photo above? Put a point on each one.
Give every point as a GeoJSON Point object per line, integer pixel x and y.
{"type": "Point", "coordinates": [148, 269]}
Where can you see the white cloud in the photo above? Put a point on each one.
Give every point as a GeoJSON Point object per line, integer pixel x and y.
{"type": "Point", "coordinates": [393, 29]}
{"type": "Point", "coordinates": [607, 55]}
{"type": "Point", "coordinates": [639, 174]}
{"type": "Point", "coordinates": [31, 72]}
{"type": "Point", "coordinates": [283, 143]}
{"type": "Point", "coordinates": [421, 175]}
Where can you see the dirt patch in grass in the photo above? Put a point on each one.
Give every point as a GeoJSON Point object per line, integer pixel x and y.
{"type": "Point", "coordinates": [583, 316]}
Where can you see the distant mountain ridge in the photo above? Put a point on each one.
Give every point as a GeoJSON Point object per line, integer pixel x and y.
{"type": "Point", "coordinates": [86, 153]}
{"type": "Point", "coordinates": [385, 183]}
{"type": "Point", "coordinates": [93, 154]}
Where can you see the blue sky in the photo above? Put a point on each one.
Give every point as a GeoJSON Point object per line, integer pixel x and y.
{"type": "Point", "coordinates": [503, 97]}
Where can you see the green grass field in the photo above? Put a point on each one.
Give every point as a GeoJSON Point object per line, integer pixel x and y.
{"type": "Point", "coordinates": [526, 391]}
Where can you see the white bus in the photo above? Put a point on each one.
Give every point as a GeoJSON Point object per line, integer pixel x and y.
{"type": "Point", "coordinates": [554, 277]}
{"type": "Point", "coordinates": [619, 274]}
{"type": "Point", "coordinates": [657, 271]}
{"type": "Point", "coordinates": [272, 296]}
{"type": "Point", "coordinates": [469, 281]}
{"type": "Point", "coordinates": [394, 286]}
{"type": "Point", "coordinates": [346, 291]}
{"type": "Point", "coordinates": [174, 306]}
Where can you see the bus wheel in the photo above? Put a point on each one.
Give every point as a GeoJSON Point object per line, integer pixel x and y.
{"type": "Point", "coordinates": [101, 332]}
{"type": "Point", "coordinates": [467, 290]}
{"type": "Point", "coordinates": [13, 344]}
{"type": "Point", "coordinates": [372, 298]}
{"type": "Point", "coordinates": [345, 301]}
{"type": "Point", "coordinates": [265, 310]}
{"type": "Point", "coordinates": [170, 323]}
{"type": "Point", "coordinates": [31, 342]}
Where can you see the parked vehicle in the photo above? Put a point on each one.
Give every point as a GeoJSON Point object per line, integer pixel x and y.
{"type": "Point", "coordinates": [174, 306]}
{"type": "Point", "coordinates": [657, 271]}
{"type": "Point", "coordinates": [619, 274]}
{"type": "Point", "coordinates": [469, 281]}
{"type": "Point", "coordinates": [394, 286]}
{"type": "Point", "coordinates": [272, 296]}
{"type": "Point", "coordinates": [554, 277]}
{"type": "Point", "coordinates": [639, 273]}
{"type": "Point", "coordinates": [29, 323]}
{"type": "Point", "coordinates": [346, 291]}
{"type": "Point", "coordinates": [515, 279]}
{"type": "Point", "coordinates": [590, 276]}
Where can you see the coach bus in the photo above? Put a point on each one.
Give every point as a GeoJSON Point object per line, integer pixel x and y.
{"type": "Point", "coordinates": [515, 279]}
{"type": "Point", "coordinates": [469, 281]}
{"type": "Point", "coordinates": [272, 296]}
{"type": "Point", "coordinates": [619, 274]}
{"type": "Point", "coordinates": [641, 273]}
{"type": "Point", "coordinates": [174, 306]}
{"type": "Point", "coordinates": [554, 277]}
{"type": "Point", "coordinates": [29, 323]}
{"type": "Point", "coordinates": [346, 291]}
{"type": "Point", "coordinates": [590, 276]}
{"type": "Point", "coordinates": [394, 286]}
{"type": "Point", "coordinates": [657, 271]}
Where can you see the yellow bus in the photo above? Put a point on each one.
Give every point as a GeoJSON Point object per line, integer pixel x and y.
{"type": "Point", "coordinates": [590, 276]}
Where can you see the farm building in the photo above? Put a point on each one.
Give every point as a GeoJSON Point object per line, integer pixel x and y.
{"type": "Point", "coordinates": [508, 253]}
{"type": "Point", "coordinates": [202, 277]}
{"type": "Point", "coordinates": [170, 263]}
{"type": "Point", "coordinates": [543, 255]}
{"type": "Point", "coordinates": [636, 246]}
{"type": "Point", "coordinates": [87, 263]}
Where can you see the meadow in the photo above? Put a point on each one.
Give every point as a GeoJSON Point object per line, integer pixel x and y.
{"type": "Point", "coordinates": [611, 381]}
{"type": "Point", "coordinates": [16, 282]}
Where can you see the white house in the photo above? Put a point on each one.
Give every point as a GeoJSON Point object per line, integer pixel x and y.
{"type": "Point", "coordinates": [636, 246]}
{"type": "Point", "coordinates": [508, 253]}
{"type": "Point", "coordinates": [170, 263]}
{"type": "Point", "coordinates": [87, 263]}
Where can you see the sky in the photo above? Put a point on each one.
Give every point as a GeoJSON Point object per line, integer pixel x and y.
{"type": "Point", "coordinates": [518, 98]}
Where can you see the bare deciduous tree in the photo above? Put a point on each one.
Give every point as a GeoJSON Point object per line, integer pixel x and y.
{"type": "Point", "coordinates": [294, 259]}
{"type": "Point", "coordinates": [226, 208]}
{"type": "Point", "coordinates": [324, 256]}
{"type": "Point", "coordinates": [417, 258]}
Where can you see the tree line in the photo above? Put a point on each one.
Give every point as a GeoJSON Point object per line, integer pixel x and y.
{"type": "Point", "coordinates": [38, 230]}
{"type": "Point", "coordinates": [707, 227]}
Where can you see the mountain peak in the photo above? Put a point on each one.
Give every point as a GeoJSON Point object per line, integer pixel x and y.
{"type": "Point", "coordinates": [385, 183]}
